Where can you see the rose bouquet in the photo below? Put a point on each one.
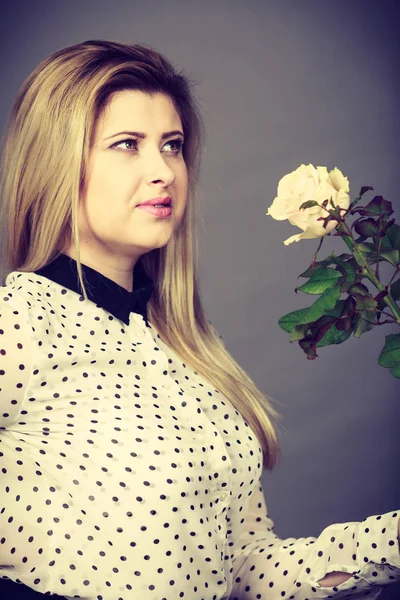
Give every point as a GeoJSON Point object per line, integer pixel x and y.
{"type": "Point", "coordinates": [352, 297]}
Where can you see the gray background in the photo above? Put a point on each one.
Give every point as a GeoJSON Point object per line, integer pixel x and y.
{"type": "Point", "coordinates": [279, 83]}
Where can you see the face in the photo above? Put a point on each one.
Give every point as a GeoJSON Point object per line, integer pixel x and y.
{"type": "Point", "coordinates": [125, 170]}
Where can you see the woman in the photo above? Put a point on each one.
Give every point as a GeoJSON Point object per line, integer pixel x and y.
{"type": "Point", "coordinates": [132, 443]}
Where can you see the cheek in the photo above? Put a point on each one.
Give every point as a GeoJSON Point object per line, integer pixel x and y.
{"type": "Point", "coordinates": [105, 204]}
{"type": "Point", "coordinates": [110, 189]}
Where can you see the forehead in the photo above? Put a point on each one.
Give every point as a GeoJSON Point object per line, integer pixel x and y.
{"type": "Point", "coordinates": [136, 110]}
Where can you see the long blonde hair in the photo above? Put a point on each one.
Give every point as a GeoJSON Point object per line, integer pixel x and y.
{"type": "Point", "coordinates": [44, 163]}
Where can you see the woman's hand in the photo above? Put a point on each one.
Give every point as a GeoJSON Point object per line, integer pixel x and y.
{"type": "Point", "coordinates": [334, 578]}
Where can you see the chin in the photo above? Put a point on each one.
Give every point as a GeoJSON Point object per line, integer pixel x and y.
{"type": "Point", "coordinates": [159, 245]}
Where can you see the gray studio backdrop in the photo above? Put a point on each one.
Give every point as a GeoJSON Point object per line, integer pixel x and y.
{"type": "Point", "coordinates": [279, 83]}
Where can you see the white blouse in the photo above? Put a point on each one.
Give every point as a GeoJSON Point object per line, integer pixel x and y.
{"type": "Point", "coordinates": [125, 474]}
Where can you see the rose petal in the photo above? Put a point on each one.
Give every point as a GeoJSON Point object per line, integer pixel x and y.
{"type": "Point", "coordinates": [343, 199]}
{"type": "Point", "coordinates": [278, 209]}
{"type": "Point", "coordinates": [306, 235]}
{"type": "Point", "coordinates": [322, 174]}
{"type": "Point", "coordinates": [325, 191]}
{"type": "Point", "coordinates": [285, 187]}
{"type": "Point", "coordinates": [299, 219]}
{"type": "Point", "coordinates": [294, 238]}
{"type": "Point", "coordinates": [338, 180]}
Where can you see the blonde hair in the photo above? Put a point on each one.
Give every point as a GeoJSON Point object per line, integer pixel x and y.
{"type": "Point", "coordinates": [44, 164]}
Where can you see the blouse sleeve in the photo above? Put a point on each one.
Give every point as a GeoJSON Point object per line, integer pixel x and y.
{"type": "Point", "coordinates": [15, 359]}
{"type": "Point", "coordinates": [267, 567]}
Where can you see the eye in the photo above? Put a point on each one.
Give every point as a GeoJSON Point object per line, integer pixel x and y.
{"type": "Point", "coordinates": [128, 145]}
{"type": "Point", "coordinates": [131, 145]}
{"type": "Point", "coordinates": [178, 145]}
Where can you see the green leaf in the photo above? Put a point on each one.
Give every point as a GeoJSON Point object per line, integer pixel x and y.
{"type": "Point", "coordinates": [391, 240]}
{"type": "Point", "coordinates": [319, 263]}
{"type": "Point", "coordinates": [370, 253]}
{"type": "Point", "coordinates": [389, 246]}
{"type": "Point", "coordinates": [365, 302]}
{"type": "Point", "coordinates": [346, 268]}
{"type": "Point", "coordinates": [292, 319]}
{"type": "Point", "coordinates": [333, 336]}
{"type": "Point", "coordinates": [298, 333]}
{"type": "Point", "coordinates": [336, 311]}
{"type": "Point", "coordinates": [309, 347]}
{"type": "Point", "coordinates": [331, 259]}
{"type": "Point", "coordinates": [308, 204]}
{"type": "Point", "coordinates": [322, 279]}
{"type": "Point", "coordinates": [302, 316]}
{"type": "Point", "coordinates": [326, 302]}
{"type": "Point", "coordinates": [377, 206]}
{"type": "Point", "coordinates": [358, 288]}
{"type": "Point", "coordinates": [349, 269]}
{"type": "Point", "coordinates": [393, 235]}
{"type": "Point", "coordinates": [342, 257]}
{"type": "Point", "coordinates": [365, 188]}
{"type": "Point", "coordinates": [396, 371]}
{"type": "Point", "coordinates": [364, 321]}
{"type": "Point", "coordinates": [349, 306]}
{"type": "Point", "coordinates": [366, 227]}
{"type": "Point", "coordinates": [392, 256]}
{"type": "Point", "coordinates": [390, 354]}
{"type": "Point", "coordinates": [318, 330]}
{"type": "Point", "coordinates": [344, 324]}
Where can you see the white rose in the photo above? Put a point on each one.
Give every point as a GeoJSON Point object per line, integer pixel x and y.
{"type": "Point", "coordinates": [309, 183]}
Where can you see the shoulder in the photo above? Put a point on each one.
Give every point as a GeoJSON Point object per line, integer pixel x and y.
{"type": "Point", "coordinates": [23, 288]}
{"type": "Point", "coordinates": [13, 303]}
{"type": "Point", "coordinates": [15, 347]}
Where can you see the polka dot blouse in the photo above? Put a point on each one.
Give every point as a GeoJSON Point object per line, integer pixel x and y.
{"type": "Point", "coordinates": [125, 475]}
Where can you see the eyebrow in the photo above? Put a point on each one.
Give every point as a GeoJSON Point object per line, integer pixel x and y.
{"type": "Point", "coordinates": [141, 135]}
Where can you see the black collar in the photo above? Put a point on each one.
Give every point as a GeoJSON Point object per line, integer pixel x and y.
{"type": "Point", "coordinates": [101, 290]}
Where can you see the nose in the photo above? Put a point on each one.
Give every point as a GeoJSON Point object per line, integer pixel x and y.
{"type": "Point", "coordinates": [159, 171]}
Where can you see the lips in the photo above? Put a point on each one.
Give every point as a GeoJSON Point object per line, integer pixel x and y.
{"type": "Point", "coordinates": [164, 200]}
